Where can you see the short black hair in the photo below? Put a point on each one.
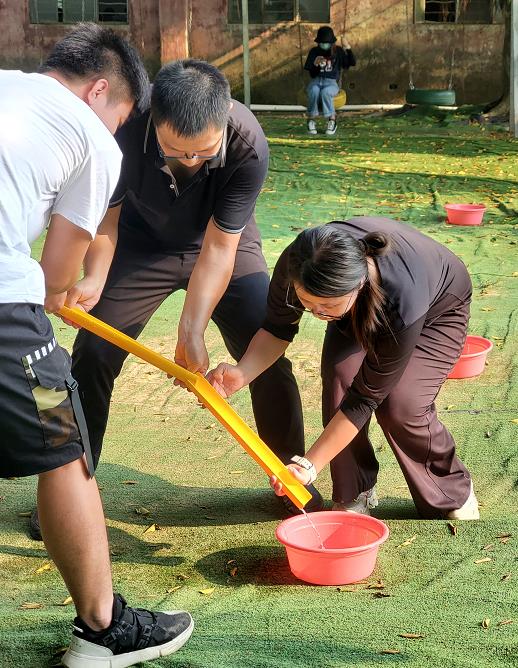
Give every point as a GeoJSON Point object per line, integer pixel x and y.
{"type": "Point", "coordinates": [190, 96]}
{"type": "Point", "coordinates": [91, 51]}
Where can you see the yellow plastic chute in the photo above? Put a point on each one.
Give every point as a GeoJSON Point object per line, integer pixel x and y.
{"type": "Point", "coordinates": [206, 394]}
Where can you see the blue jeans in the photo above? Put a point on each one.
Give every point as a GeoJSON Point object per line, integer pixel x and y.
{"type": "Point", "coordinates": [322, 89]}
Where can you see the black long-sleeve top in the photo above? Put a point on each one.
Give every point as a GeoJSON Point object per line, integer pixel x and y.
{"type": "Point", "coordinates": [336, 60]}
{"type": "Point", "coordinates": [418, 276]}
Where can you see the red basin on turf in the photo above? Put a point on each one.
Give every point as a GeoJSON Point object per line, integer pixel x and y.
{"type": "Point", "coordinates": [464, 214]}
{"type": "Point", "coordinates": [473, 357]}
{"type": "Point", "coordinates": [351, 543]}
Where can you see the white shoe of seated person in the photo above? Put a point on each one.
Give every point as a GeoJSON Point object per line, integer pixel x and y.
{"type": "Point", "coordinates": [312, 127]}
{"type": "Point", "coordinates": [468, 511]}
{"type": "Point", "coordinates": [362, 503]}
{"type": "Point", "coordinates": [331, 127]}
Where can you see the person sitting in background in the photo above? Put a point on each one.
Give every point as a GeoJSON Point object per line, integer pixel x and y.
{"type": "Point", "coordinates": [325, 63]}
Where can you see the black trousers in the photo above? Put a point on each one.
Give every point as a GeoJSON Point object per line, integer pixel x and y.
{"type": "Point", "coordinates": [424, 448]}
{"type": "Point", "coordinates": [137, 284]}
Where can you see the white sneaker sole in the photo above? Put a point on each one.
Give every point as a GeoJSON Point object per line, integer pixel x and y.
{"type": "Point", "coordinates": [362, 507]}
{"type": "Point", "coordinates": [469, 511]}
{"type": "Point", "coordinates": [79, 656]}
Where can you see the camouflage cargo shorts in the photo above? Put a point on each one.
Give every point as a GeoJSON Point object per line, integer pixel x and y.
{"type": "Point", "coordinates": [38, 426]}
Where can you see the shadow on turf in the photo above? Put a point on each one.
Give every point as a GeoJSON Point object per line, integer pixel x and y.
{"type": "Point", "coordinates": [170, 504]}
{"type": "Point", "coordinates": [256, 564]}
{"type": "Point", "coordinates": [175, 505]}
{"type": "Point", "coordinates": [123, 547]}
{"type": "Point", "coordinates": [41, 645]}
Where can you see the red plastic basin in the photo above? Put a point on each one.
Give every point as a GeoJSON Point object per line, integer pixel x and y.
{"type": "Point", "coordinates": [464, 214]}
{"type": "Point", "coordinates": [351, 543]}
{"type": "Point", "coordinates": [473, 357]}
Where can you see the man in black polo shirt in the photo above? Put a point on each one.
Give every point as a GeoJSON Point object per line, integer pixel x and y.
{"type": "Point", "coordinates": [192, 169]}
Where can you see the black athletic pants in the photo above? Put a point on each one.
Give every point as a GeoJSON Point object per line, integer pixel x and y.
{"type": "Point", "coordinates": [137, 284]}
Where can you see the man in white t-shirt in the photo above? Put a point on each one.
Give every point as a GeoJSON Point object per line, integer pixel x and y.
{"type": "Point", "coordinates": [59, 165]}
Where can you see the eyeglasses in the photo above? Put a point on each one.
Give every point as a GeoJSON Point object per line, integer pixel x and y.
{"type": "Point", "coordinates": [192, 156]}
{"type": "Point", "coordinates": [322, 316]}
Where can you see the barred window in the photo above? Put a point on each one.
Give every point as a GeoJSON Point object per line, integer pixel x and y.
{"type": "Point", "coordinates": [73, 11]}
{"type": "Point", "coordinates": [457, 11]}
{"type": "Point", "coordinates": [274, 11]}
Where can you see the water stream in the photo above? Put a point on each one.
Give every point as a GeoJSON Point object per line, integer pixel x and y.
{"type": "Point", "coordinates": [321, 546]}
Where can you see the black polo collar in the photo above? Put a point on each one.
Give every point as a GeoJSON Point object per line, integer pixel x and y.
{"type": "Point", "coordinates": [219, 161]}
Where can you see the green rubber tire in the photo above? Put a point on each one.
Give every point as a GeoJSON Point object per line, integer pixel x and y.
{"type": "Point", "coordinates": [440, 98]}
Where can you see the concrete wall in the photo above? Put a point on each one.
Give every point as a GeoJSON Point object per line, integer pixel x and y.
{"type": "Point", "coordinates": [168, 29]}
{"type": "Point", "coordinates": [24, 45]}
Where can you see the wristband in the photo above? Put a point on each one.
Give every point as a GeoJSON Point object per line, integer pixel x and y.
{"type": "Point", "coordinates": [306, 464]}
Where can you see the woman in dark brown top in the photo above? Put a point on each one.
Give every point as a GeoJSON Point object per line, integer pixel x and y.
{"type": "Point", "coordinates": [397, 307]}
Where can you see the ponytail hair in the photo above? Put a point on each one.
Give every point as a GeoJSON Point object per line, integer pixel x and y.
{"type": "Point", "coordinates": [329, 262]}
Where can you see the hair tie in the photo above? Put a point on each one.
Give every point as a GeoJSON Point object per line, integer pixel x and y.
{"type": "Point", "coordinates": [364, 245]}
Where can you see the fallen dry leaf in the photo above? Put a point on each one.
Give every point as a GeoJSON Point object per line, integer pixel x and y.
{"type": "Point", "coordinates": [207, 592]}
{"type": "Point", "coordinates": [130, 482]}
{"type": "Point", "coordinates": [170, 591]}
{"type": "Point", "coordinates": [381, 594]}
{"type": "Point", "coordinates": [504, 622]}
{"type": "Point", "coordinates": [489, 546]}
{"type": "Point", "coordinates": [505, 577]}
{"type": "Point", "coordinates": [31, 606]}
{"type": "Point", "coordinates": [484, 560]}
{"type": "Point", "coordinates": [408, 541]}
{"type": "Point", "coordinates": [485, 623]}
{"type": "Point", "coordinates": [233, 571]}
{"type": "Point", "coordinates": [411, 636]}
{"type": "Point", "coordinates": [142, 511]}
{"type": "Point", "coordinates": [376, 585]}
{"type": "Point", "coordinates": [236, 472]}
{"type": "Point", "coordinates": [504, 535]}
{"type": "Point", "coordinates": [390, 651]}
{"type": "Point", "coordinates": [453, 529]}
{"type": "Point", "coordinates": [67, 601]}
{"type": "Point", "coordinates": [44, 568]}
{"type": "Point", "coordinates": [26, 514]}
{"type": "Point", "coordinates": [151, 528]}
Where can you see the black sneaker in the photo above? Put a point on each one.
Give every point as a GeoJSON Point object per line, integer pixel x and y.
{"type": "Point", "coordinates": [331, 127]}
{"type": "Point", "coordinates": [315, 504]}
{"type": "Point", "coordinates": [135, 635]}
{"type": "Point", "coordinates": [34, 526]}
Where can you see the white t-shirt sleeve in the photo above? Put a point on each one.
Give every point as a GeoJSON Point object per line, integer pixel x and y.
{"type": "Point", "coordinates": [84, 198]}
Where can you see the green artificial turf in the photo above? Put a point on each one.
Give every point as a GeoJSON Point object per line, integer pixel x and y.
{"type": "Point", "coordinates": [215, 514]}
